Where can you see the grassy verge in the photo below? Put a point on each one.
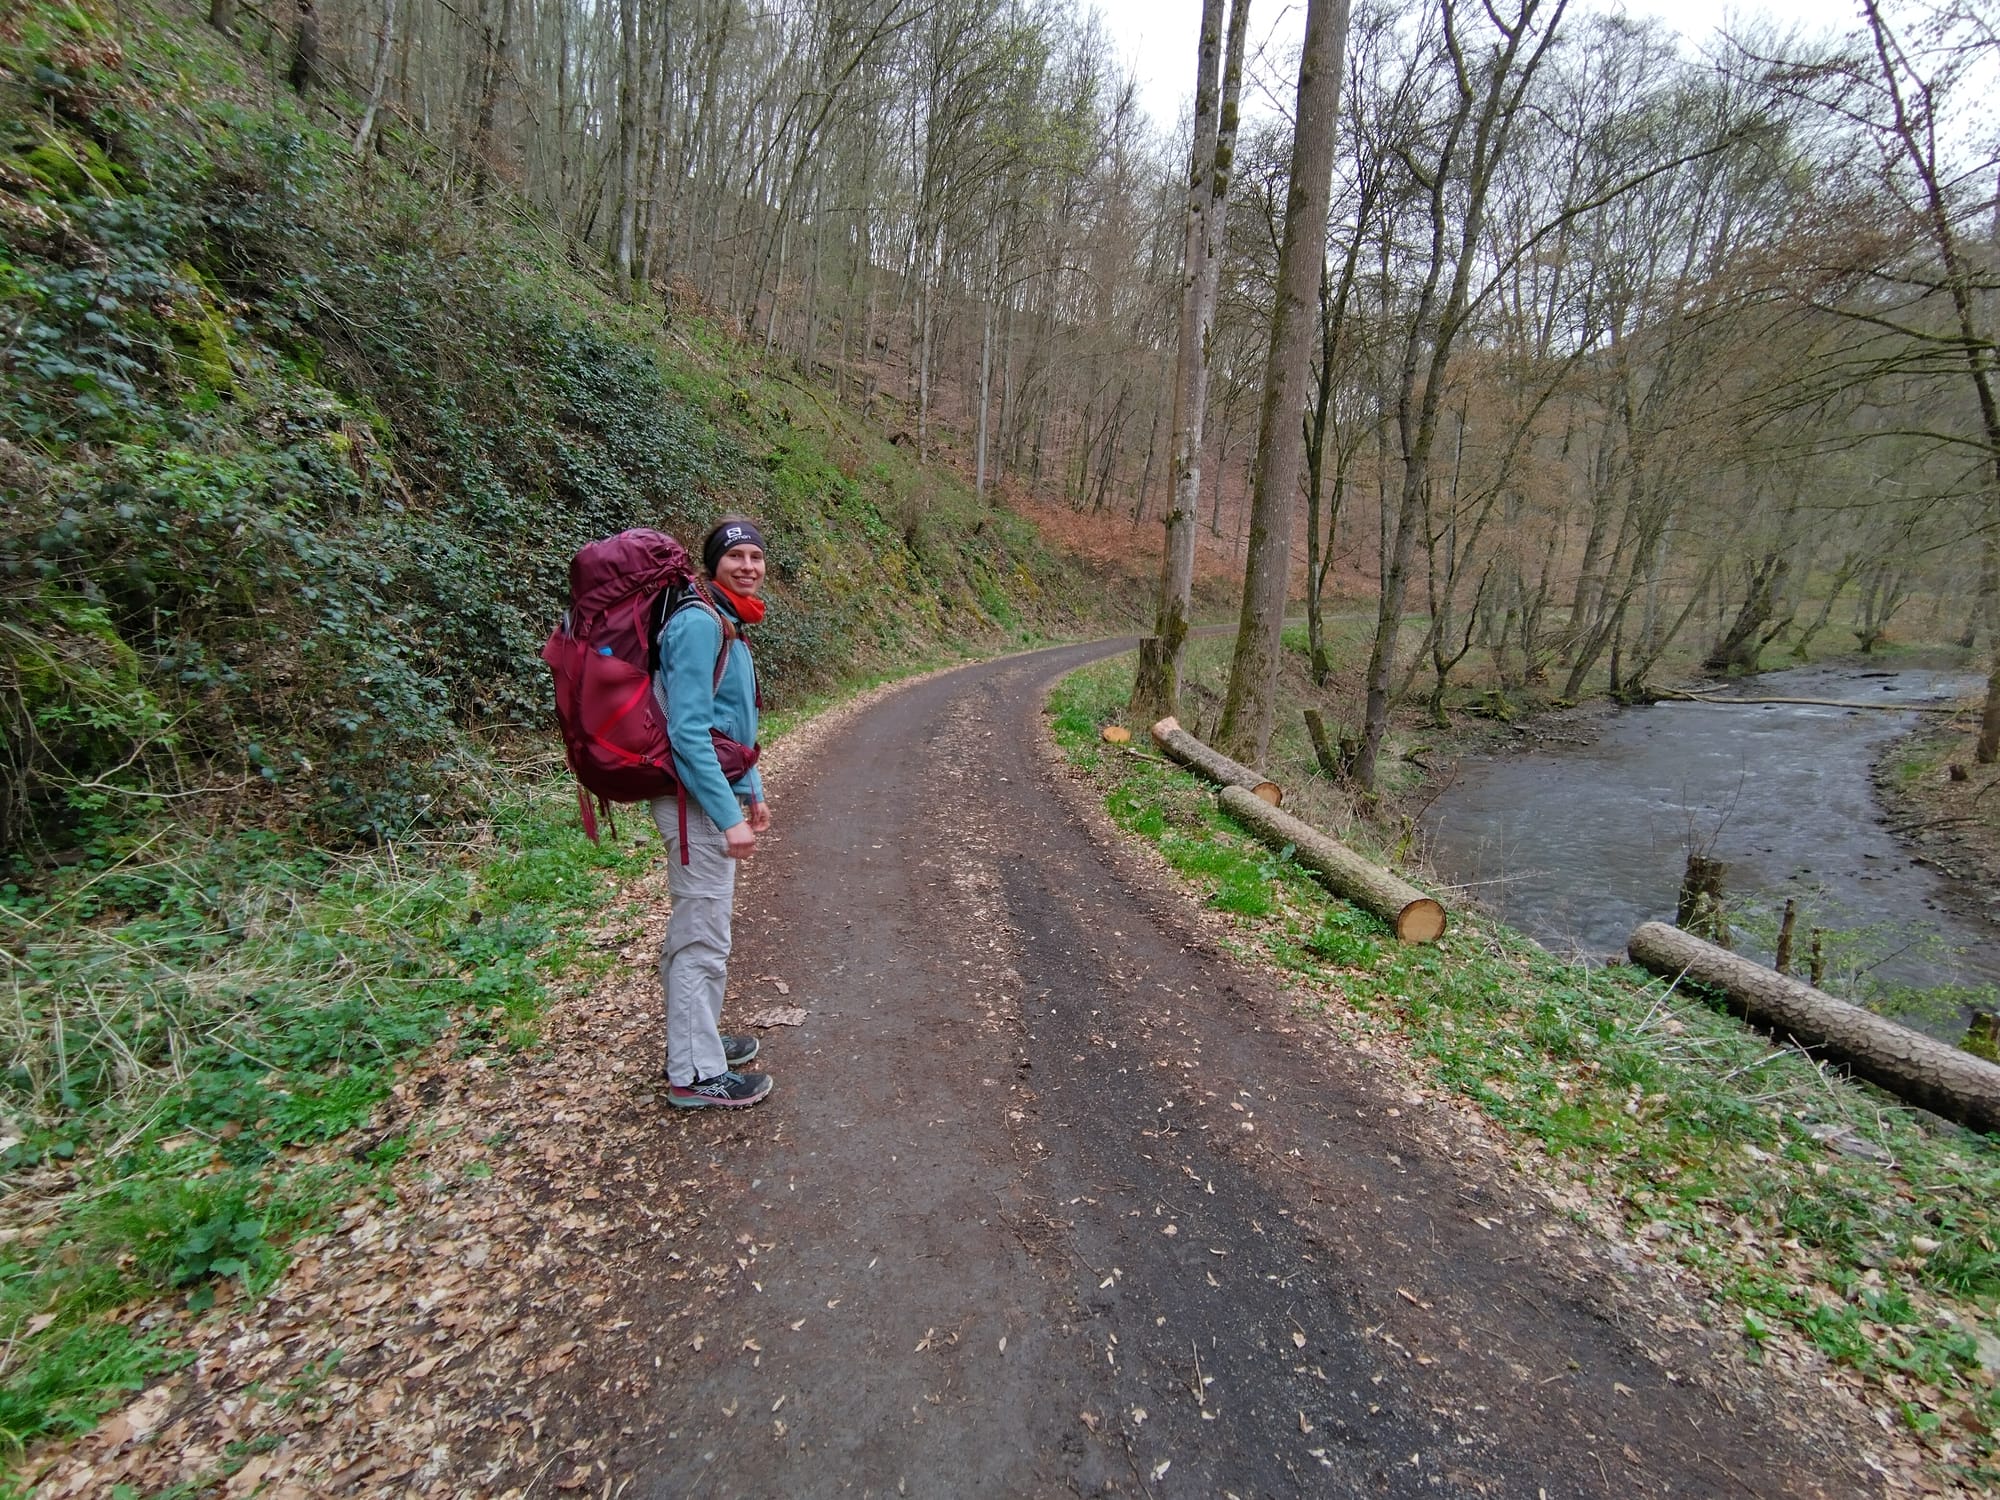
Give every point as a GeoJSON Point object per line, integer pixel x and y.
{"type": "Point", "coordinates": [200, 1031]}
{"type": "Point", "coordinates": [197, 1031]}
{"type": "Point", "coordinates": [1811, 1209]}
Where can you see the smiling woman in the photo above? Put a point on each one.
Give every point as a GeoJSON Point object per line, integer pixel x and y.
{"type": "Point", "coordinates": [707, 688]}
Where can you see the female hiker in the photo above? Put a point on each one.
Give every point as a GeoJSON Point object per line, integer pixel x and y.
{"type": "Point", "coordinates": [708, 688]}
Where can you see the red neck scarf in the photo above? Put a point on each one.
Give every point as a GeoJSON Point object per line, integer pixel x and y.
{"type": "Point", "coordinates": [749, 608]}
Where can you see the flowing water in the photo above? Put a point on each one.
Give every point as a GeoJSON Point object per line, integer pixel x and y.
{"type": "Point", "coordinates": [1577, 846]}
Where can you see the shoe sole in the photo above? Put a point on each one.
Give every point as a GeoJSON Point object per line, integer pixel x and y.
{"type": "Point", "coordinates": [707, 1101]}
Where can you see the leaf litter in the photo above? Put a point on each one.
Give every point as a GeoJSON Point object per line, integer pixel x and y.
{"type": "Point", "coordinates": [447, 1335]}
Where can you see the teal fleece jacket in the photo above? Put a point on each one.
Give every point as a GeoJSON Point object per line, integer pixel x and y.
{"type": "Point", "coordinates": [688, 648]}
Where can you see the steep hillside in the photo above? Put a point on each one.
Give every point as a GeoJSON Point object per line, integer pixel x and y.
{"type": "Point", "coordinates": [295, 450]}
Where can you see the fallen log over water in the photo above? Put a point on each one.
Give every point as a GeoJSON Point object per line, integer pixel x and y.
{"type": "Point", "coordinates": [1910, 1065]}
{"type": "Point", "coordinates": [1675, 695]}
{"type": "Point", "coordinates": [1417, 918]}
{"type": "Point", "coordinates": [1212, 763]}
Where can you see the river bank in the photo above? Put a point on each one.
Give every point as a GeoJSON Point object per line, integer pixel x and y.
{"type": "Point", "coordinates": [1810, 1218]}
{"type": "Point", "coordinates": [1950, 824]}
{"type": "Point", "coordinates": [1578, 837]}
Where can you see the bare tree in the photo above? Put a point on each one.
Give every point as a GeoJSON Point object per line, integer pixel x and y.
{"type": "Point", "coordinates": [1156, 688]}
{"type": "Point", "coordinates": [1250, 705]}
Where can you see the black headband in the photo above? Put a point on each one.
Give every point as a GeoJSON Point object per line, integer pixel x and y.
{"type": "Point", "coordinates": [729, 534]}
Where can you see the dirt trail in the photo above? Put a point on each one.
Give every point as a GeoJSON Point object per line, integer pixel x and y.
{"type": "Point", "coordinates": [1053, 1198]}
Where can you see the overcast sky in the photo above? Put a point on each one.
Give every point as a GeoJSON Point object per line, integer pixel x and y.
{"type": "Point", "coordinates": [1157, 37]}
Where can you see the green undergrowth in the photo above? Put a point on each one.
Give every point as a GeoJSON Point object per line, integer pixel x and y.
{"type": "Point", "coordinates": [294, 455]}
{"type": "Point", "coordinates": [1803, 1202]}
{"type": "Point", "coordinates": [200, 1031]}
{"type": "Point", "coordinates": [296, 450]}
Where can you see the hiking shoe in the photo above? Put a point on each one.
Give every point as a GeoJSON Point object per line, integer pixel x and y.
{"type": "Point", "coordinates": [736, 1051]}
{"type": "Point", "coordinates": [729, 1090]}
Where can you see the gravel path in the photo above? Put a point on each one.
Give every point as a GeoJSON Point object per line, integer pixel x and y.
{"type": "Point", "coordinates": [1054, 1197]}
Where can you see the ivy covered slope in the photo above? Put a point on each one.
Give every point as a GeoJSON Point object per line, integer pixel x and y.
{"type": "Point", "coordinates": [295, 450]}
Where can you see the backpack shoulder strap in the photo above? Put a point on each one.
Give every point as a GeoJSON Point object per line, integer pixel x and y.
{"type": "Point", "coordinates": [698, 595]}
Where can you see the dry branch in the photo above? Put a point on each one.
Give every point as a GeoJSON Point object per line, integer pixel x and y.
{"type": "Point", "coordinates": [1213, 764]}
{"type": "Point", "coordinates": [1417, 918]}
{"type": "Point", "coordinates": [1910, 1065]}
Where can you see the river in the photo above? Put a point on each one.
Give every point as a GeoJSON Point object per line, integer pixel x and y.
{"type": "Point", "coordinates": [1578, 845]}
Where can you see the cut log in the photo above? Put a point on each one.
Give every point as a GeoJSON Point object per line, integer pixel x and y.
{"type": "Point", "coordinates": [1920, 1069]}
{"type": "Point", "coordinates": [1416, 918]}
{"type": "Point", "coordinates": [1213, 764]}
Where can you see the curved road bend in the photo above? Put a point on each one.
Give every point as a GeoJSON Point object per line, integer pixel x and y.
{"type": "Point", "coordinates": [1051, 1200]}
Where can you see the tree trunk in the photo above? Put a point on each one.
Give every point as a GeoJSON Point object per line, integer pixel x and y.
{"type": "Point", "coordinates": [1337, 760]}
{"type": "Point", "coordinates": [497, 41]}
{"type": "Point", "coordinates": [222, 15]}
{"type": "Point", "coordinates": [626, 247]}
{"type": "Point", "coordinates": [305, 49]}
{"type": "Point", "coordinates": [1251, 704]}
{"type": "Point", "coordinates": [1739, 649]}
{"type": "Point", "coordinates": [1156, 687]}
{"type": "Point", "coordinates": [378, 80]}
{"type": "Point", "coordinates": [1421, 381]}
{"type": "Point", "coordinates": [1910, 1065]}
{"type": "Point", "coordinates": [1414, 917]}
{"type": "Point", "coordinates": [1217, 767]}
{"type": "Point", "coordinates": [985, 402]}
{"type": "Point", "coordinates": [1987, 751]}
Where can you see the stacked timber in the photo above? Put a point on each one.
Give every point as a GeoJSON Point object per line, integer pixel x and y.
{"type": "Point", "coordinates": [1910, 1065]}
{"type": "Point", "coordinates": [1179, 745]}
{"type": "Point", "coordinates": [1416, 918]}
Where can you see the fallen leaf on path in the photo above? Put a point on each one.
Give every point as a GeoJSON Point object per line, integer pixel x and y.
{"type": "Point", "coordinates": [778, 1015]}
{"type": "Point", "coordinates": [774, 980]}
{"type": "Point", "coordinates": [144, 1415]}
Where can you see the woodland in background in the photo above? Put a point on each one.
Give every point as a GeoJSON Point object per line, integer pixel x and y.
{"type": "Point", "coordinates": [295, 450]}
{"type": "Point", "coordinates": [1623, 357]}
{"type": "Point", "coordinates": [1621, 350]}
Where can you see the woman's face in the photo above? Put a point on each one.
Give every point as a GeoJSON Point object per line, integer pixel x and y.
{"type": "Point", "coordinates": [741, 569]}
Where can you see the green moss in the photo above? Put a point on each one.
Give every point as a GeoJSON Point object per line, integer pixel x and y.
{"type": "Point", "coordinates": [73, 167]}
{"type": "Point", "coordinates": [202, 344]}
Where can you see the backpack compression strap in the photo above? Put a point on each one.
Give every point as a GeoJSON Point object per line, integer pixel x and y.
{"type": "Point", "coordinates": [697, 594]}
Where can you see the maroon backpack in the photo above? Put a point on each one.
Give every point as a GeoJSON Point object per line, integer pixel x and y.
{"type": "Point", "coordinates": [621, 590]}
